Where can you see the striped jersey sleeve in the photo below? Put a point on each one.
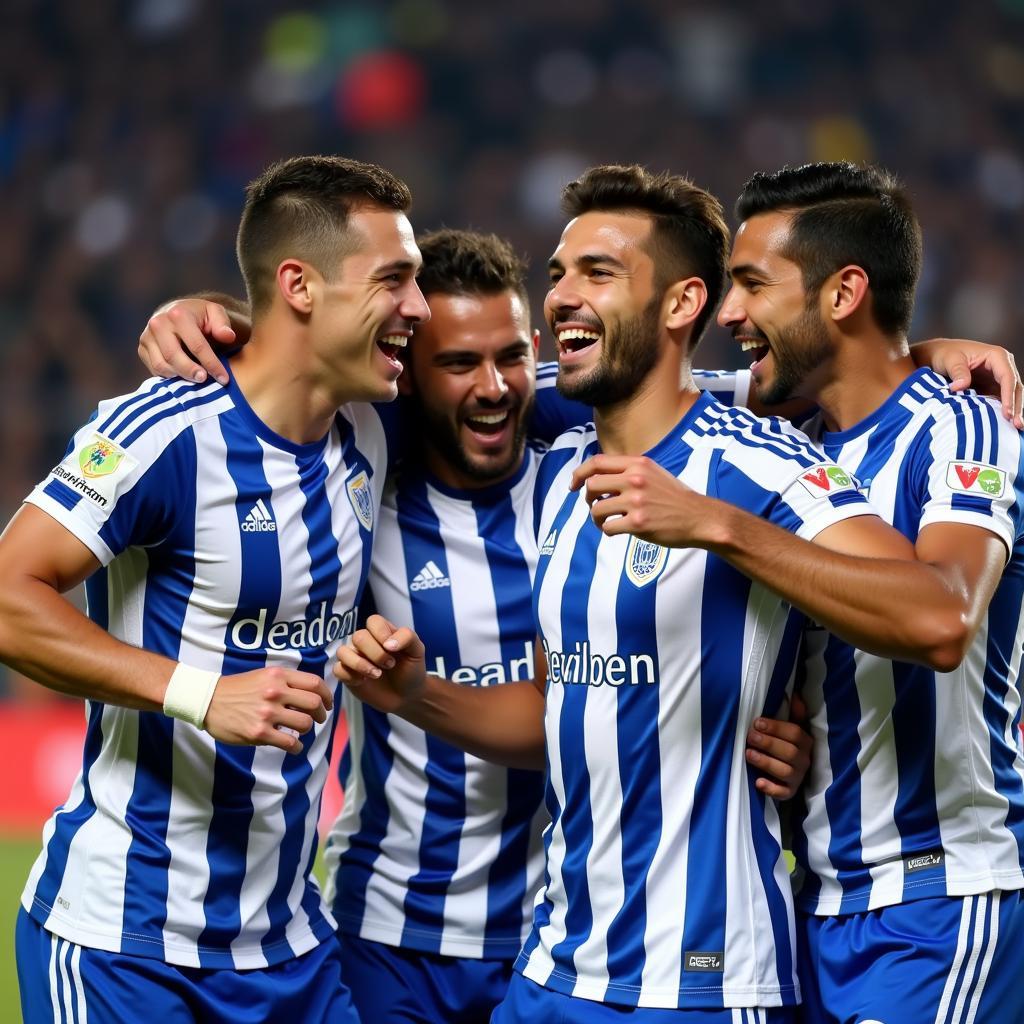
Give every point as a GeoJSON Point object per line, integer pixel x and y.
{"type": "Point", "coordinates": [772, 466]}
{"type": "Point", "coordinates": [969, 469]}
{"type": "Point", "coordinates": [122, 478]}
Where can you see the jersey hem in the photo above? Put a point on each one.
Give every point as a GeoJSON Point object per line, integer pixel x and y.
{"type": "Point", "coordinates": [709, 997]}
{"type": "Point", "coordinates": [909, 892]}
{"type": "Point", "coordinates": [245, 958]}
{"type": "Point", "coordinates": [431, 941]}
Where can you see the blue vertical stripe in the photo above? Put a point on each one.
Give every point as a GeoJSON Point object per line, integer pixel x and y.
{"type": "Point", "coordinates": [638, 752]}
{"type": "Point", "coordinates": [169, 577]}
{"type": "Point", "coordinates": [513, 594]}
{"type": "Point", "coordinates": [355, 868]}
{"type": "Point", "coordinates": [233, 779]}
{"type": "Point", "coordinates": [434, 617]}
{"type": "Point", "coordinates": [68, 822]}
{"type": "Point", "coordinates": [722, 646]}
{"type": "Point", "coordinates": [325, 564]}
{"type": "Point", "coordinates": [576, 821]}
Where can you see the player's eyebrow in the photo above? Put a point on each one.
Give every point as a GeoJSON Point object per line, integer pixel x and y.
{"type": "Point", "coordinates": [746, 270]}
{"type": "Point", "coordinates": [399, 266]}
{"type": "Point", "coordinates": [589, 260]}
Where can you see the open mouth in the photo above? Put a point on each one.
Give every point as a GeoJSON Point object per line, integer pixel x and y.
{"type": "Point", "coordinates": [575, 339]}
{"type": "Point", "coordinates": [488, 424]}
{"type": "Point", "coordinates": [758, 348]}
{"type": "Point", "coordinates": [392, 344]}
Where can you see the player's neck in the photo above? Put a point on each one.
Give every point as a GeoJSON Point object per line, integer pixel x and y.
{"type": "Point", "coordinates": [863, 374]}
{"type": "Point", "coordinates": [274, 380]}
{"type": "Point", "coordinates": [458, 479]}
{"type": "Point", "coordinates": [638, 423]}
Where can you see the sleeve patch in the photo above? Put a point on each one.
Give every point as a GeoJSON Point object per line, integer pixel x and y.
{"type": "Point", "coordinates": [95, 468]}
{"type": "Point", "coordinates": [976, 478]}
{"type": "Point", "coordinates": [826, 479]}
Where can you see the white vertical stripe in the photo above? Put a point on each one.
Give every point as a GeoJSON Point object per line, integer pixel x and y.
{"type": "Point", "coordinates": [976, 939]}
{"type": "Point", "coordinates": [600, 748]}
{"type": "Point", "coordinates": [958, 960]}
{"type": "Point", "coordinates": [474, 606]}
{"type": "Point", "coordinates": [65, 980]}
{"type": "Point", "coordinates": [540, 963]}
{"type": "Point", "coordinates": [680, 767]}
{"type": "Point", "coordinates": [267, 827]}
{"type": "Point", "coordinates": [215, 589]}
{"type": "Point", "coordinates": [986, 963]}
{"type": "Point", "coordinates": [53, 968]}
{"type": "Point", "coordinates": [76, 974]}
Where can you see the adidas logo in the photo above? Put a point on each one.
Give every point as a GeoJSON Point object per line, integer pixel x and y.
{"type": "Point", "coordinates": [259, 520]}
{"type": "Point", "coordinates": [429, 578]}
{"type": "Point", "coordinates": [549, 545]}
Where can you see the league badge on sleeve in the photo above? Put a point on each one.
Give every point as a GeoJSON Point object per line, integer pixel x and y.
{"type": "Point", "coordinates": [95, 469]}
{"type": "Point", "coordinates": [976, 478]}
{"type": "Point", "coordinates": [361, 498]}
{"type": "Point", "coordinates": [826, 478]}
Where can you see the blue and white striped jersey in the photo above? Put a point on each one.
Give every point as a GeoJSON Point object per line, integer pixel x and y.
{"type": "Point", "coordinates": [230, 548]}
{"type": "Point", "coordinates": [436, 850]}
{"type": "Point", "coordinates": [917, 783]}
{"type": "Point", "coordinates": [666, 885]}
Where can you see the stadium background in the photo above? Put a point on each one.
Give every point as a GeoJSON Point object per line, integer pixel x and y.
{"type": "Point", "coordinates": [128, 129]}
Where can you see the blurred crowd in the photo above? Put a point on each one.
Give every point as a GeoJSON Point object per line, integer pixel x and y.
{"type": "Point", "coordinates": [128, 129]}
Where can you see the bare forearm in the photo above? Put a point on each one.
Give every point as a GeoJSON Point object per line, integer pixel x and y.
{"type": "Point", "coordinates": [45, 637]}
{"type": "Point", "coordinates": [504, 724]}
{"type": "Point", "coordinates": [898, 609]}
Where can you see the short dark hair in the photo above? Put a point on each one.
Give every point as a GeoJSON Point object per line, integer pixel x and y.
{"type": "Point", "coordinates": [846, 214]}
{"type": "Point", "coordinates": [469, 263]}
{"type": "Point", "coordinates": [300, 207]}
{"type": "Point", "coordinates": [689, 234]}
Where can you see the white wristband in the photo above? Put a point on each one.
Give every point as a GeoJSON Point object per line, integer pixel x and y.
{"type": "Point", "coordinates": [189, 692]}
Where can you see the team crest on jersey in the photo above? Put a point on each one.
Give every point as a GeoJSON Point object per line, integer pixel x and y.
{"type": "Point", "coordinates": [361, 499]}
{"type": "Point", "coordinates": [644, 561]}
{"type": "Point", "coordinates": [976, 478]}
{"type": "Point", "coordinates": [826, 478]}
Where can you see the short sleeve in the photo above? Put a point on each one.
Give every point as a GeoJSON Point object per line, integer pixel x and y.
{"type": "Point", "coordinates": [112, 497]}
{"type": "Point", "coordinates": [971, 470]}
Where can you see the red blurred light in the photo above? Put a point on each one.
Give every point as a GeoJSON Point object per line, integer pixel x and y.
{"type": "Point", "coordinates": [380, 90]}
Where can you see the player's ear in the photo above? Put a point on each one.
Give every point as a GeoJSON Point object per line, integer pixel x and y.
{"type": "Point", "coordinates": [846, 291]}
{"type": "Point", "coordinates": [296, 284]}
{"type": "Point", "coordinates": [535, 341]}
{"type": "Point", "coordinates": [683, 302]}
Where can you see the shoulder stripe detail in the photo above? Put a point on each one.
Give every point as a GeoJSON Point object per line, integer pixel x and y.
{"type": "Point", "coordinates": [159, 390]}
{"type": "Point", "coordinates": [173, 409]}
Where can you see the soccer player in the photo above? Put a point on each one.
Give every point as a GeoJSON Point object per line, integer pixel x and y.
{"type": "Point", "coordinates": [912, 846]}
{"type": "Point", "coordinates": [435, 860]}
{"type": "Point", "coordinates": [665, 888]}
{"type": "Point", "coordinates": [224, 538]}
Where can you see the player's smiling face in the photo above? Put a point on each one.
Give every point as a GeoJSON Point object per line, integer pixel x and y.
{"type": "Point", "coordinates": [472, 373]}
{"type": "Point", "coordinates": [771, 315]}
{"type": "Point", "coordinates": [603, 307]}
{"type": "Point", "coordinates": [369, 307]}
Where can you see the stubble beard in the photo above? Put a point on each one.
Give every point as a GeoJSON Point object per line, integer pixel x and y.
{"type": "Point", "coordinates": [628, 356]}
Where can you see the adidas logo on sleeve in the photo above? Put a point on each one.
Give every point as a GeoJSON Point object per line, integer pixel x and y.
{"type": "Point", "coordinates": [259, 520]}
{"type": "Point", "coordinates": [429, 577]}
